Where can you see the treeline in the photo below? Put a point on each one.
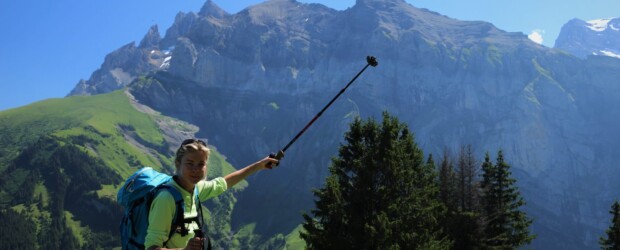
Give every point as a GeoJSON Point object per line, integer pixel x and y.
{"type": "Point", "coordinates": [383, 193]}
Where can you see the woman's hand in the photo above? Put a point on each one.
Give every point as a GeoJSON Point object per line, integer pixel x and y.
{"type": "Point", "coordinates": [277, 156]}
{"type": "Point", "coordinates": [267, 163]}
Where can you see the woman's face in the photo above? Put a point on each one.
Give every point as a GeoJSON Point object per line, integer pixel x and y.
{"type": "Point", "coordinates": [193, 167]}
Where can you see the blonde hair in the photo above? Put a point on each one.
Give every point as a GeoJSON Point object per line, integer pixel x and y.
{"type": "Point", "coordinates": [191, 145]}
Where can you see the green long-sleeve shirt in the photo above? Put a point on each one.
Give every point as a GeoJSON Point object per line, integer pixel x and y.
{"type": "Point", "coordinates": [163, 209]}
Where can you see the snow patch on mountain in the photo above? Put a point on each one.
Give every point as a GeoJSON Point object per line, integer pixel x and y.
{"type": "Point", "coordinates": [609, 53]}
{"type": "Point", "coordinates": [166, 63]}
{"type": "Point", "coordinates": [598, 24]}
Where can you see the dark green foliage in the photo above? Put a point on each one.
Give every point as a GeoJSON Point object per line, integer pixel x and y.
{"type": "Point", "coordinates": [96, 240]}
{"type": "Point", "coordinates": [612, 239]}
{"type": "Point", "coordinates": [70, 176]}
{"type": "Point", "coordinates": [14, 224]}
{"type": "Point", "coordinates": [447, 183]}
{"type": "Point", "coordinates": [460, 192]}
{"type": "Point", "coordinates": [468, 196]}
{"type": "Point", "coordinates": [54, 233]}
{"type": "Point", "coordinates": [482, 214]}
{"type": "Point", "coordinates": [99, 214]}
{"type": "Point", "coordinates": [57, 164]}
{"type": "Point", "coordinates": [506, 227]}
{"type": "Point", "coordinates": [380, 194]}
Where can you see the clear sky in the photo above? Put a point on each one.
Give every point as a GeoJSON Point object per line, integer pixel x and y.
{"type": "Point", "coordinates": [47, 46]}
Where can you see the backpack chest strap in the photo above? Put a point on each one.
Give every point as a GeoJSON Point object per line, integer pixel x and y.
{"type": "Point", "coordinates": [179, 220]}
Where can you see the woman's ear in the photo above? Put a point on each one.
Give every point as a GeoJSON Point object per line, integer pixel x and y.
{"type": "Point", "coordinates": [177, 163]}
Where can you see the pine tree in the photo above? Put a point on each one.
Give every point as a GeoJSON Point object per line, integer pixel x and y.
{"type": "Point", "coordinates": [447, 183]}
{"type": "Point", "coordinates": [612, 241]}
{"type": "Point", "coordinates": [466, 172]}
{"type": "Point", "coordinates": [460, 193]}
{"type": "Point", "coordinates": [380, 194]}
{"type": "Point", "coordinates": [506, 227]}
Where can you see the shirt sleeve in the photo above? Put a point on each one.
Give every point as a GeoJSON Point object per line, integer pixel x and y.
{"type": "Point", "coordinates": [160, 220]}
{"type": "Point", "coordinates": [211, 188]}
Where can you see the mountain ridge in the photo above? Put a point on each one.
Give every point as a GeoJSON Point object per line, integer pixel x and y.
{"type": "Point", "coordinates": [302, 56]}
{"type": "Point", "coordinates": [587, 38]}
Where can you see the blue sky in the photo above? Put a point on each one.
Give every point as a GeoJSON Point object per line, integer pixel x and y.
{"type": "Point", "coordinates": [47, 46]}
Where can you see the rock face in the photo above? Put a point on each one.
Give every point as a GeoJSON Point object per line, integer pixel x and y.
{"type": "Point", "coordinates": [594, 37]}
{"type": "Point", "coordinates": [253, 79]}
{"type": "Point", "coordinates": [122, 66]}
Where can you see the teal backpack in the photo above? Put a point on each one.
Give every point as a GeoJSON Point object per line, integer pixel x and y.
{"type": "Point", "coordinates": [136, 196]}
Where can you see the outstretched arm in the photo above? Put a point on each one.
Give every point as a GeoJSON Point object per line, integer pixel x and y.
{"type": "Point", "coordinates": [237, 176]}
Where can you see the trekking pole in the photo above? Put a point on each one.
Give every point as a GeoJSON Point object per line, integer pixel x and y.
{"type": "Point", "coordinates": [371, 61]}
{"type": "Point", "coordinates": [200, 233]}
{"type": "Point", "coordinates": [206, 241]}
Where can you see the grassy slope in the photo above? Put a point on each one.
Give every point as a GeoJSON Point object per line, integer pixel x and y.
{"type": "Point", "coordinates": [293, 241]}
{"type": "Point", "coordinates": [96, 117]}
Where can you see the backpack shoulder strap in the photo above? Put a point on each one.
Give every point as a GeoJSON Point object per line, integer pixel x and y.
{"type": "Point", "coordinates": [200, 221]}
{"type": "Point", "coordinates": [178, 219]}
{"type": "Point", "coordinates": [199, 208]}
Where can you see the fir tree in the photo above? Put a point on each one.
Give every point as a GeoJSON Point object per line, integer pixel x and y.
{"type": "Point", "coordinates": [460, 193]}
{"type": "Point", "coordinates": [380, 194]}
{"type": "Point", "coordinates": [506, 227]}
{"type": "Point", "coordinates": [466, 172]}
{"type": "Point", "coordinates": [447, 182]}
{"type": "Point", "coordinates": [612, 241]}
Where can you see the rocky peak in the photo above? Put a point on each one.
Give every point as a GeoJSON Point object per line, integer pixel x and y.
{"type": "Point", "coordinates": [284, 12]}
{"type": "Point", "coordinates": [398, 19]}
{"type": "Point", "coordinates": [274, 11]}
{"type": "Point", "coordinates": [151, 39]}
{"type": "Point", "coordinates": [183, 23]}
{"type": "Point", "coordinates": [121, 67]}
{"type": "Point", "coordinates": [380, 3]}
{"type": "Point", "coordinates": [595, 37]}
{"type": "Point", "coordinates": [211, 9]}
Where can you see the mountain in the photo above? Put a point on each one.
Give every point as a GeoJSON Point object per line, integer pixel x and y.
{"type": "Point", "coordinates": [594, 37]}
{"type": "Point", "coordinates": [124, 65]}
{"type": "Point", "coordinates": [251, 80]}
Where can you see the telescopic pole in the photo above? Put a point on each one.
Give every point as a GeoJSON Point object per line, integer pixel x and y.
{"type": "Point", "coordinates": [371, 61]}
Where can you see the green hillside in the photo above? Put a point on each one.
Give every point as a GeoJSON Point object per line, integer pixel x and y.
{"type": "Point", "coordinates": [63, 160]}
{"type": "Point", "coordinates": [85, 118]}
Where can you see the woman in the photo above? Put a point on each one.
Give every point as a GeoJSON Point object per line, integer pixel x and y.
{"type": "Point", "coordinates": [191, 170]}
